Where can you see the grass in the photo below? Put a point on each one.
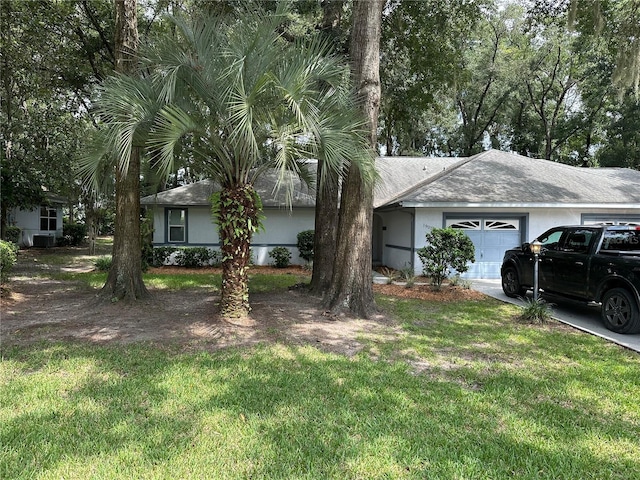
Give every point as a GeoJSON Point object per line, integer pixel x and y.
{"type": "Point", "coordinates": [490, 398]}
{"type": "Point", "coordinates": [174, 281]}
{"type": "Point", "coordinates": [181, 281]}
{"type": "Point", "coordinates": [460, 391]}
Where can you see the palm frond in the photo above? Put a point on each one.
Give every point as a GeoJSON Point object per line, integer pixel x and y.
{"type": "Point", "coordinates": [170, 126]}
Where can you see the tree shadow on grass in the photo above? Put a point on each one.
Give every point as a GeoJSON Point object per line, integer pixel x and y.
{"type": "Point", "coordinates": [296, 412]}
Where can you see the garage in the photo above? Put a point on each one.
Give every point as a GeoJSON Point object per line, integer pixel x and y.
{"type": "Point", "coordinates": [499, 199]}
{"type": "Point", "coordinates": [491, 237]}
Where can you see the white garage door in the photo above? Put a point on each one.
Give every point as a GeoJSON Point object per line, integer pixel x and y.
{"type": "Point", "coordinates": [491, 237]}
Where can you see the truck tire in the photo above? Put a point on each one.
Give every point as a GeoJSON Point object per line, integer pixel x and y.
{"type": "Point", "coordinates": [511, 283]}
{"type": "Point", "coordinates": [620, 312]}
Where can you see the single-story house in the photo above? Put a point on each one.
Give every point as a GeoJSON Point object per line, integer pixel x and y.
{"type": "Point", "coordinates": [499, 199]}
{"type": "Point", "coordinates": [182, 217]}
{"type": "Point", "coordinates": [40, 226]}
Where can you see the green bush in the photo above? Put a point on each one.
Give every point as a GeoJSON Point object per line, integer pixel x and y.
{"type": "Point", "coordinates": [161, 255]}
{"type": "Point", "coordinates": [189, 257]}
{"type": "Point", "coordinates": [8, 258]}
{"type": "Point", "coordinates": [103, 264]}
{"type": "Point", "coordinates": [447, 249]}
{"type": "Point", "coordinates": [12, 234]}
{"type": "Point", "coordinates": [192, 257]}
{"type": "Point", "coordinates": [305, 244]}
{"type": "Point", "coordinates": [73, 234]}
{"type": "Point", "coordinates": [281, 257]}
{"type": "Point", "coordinates": [215, 257]}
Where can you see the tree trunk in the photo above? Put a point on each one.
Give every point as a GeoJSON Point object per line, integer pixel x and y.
{"type": "Point", "coordinates": [7, 76]}
{"type": "Point", "coordinates": [325, 234]}
{"type": "Point", "coordinates": [90, 220]}
{"type": "Point", "coordinates": [327, 196]}
{"type": "Point", "coordinates": [124, 281]}
{"type": "Point", "coordinates": [239, 212]}
{"type": "Point", "coordinates": [352, 287]}
{"type": "Point", "coordinates": [125, 276]}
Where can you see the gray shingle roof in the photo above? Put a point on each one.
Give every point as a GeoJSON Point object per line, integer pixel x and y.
{"type": "Point", "coordinates": [199, 193]}
{"type": "Point", "coordinates": [507, 178]}
{"type": "Point", "coordinates": [401, 175]}
{"type": "Point", "coordinates": [491, 177]}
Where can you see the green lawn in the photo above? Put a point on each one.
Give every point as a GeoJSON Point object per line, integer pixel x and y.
{"type": "Point", "coordinates": [461, 392]}
{"type": "Point", "coordinates": [180, 281]}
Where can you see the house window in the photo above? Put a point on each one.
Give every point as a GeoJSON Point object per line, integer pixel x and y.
{"type": "Point", "coordinates": [48, 219]}
{"type": "Point", "coordinates": [177, 225]}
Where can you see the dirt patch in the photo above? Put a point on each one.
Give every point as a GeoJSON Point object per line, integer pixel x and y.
{"type": "Point", "coordinates": [41, 309]}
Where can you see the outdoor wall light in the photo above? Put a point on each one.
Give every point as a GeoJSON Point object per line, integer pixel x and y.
{"type": "Point", "coordinates": [536, 246]}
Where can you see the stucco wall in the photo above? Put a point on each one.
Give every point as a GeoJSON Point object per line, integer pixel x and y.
{"type": "Point", "coordinates": [396, 238]}
{"type": "Point", "coordinates": [281, 229]}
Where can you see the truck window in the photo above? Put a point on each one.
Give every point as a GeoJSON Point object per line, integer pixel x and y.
{"type": "Point", "coordinates": [551, 240]}
{"type": "Point", "coordinates": [578, 240]}
{"type": "Point", "coordinates": [621, 241]}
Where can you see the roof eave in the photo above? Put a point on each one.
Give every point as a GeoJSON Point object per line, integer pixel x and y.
{"type": "Point", "coordinates": [410, 204]}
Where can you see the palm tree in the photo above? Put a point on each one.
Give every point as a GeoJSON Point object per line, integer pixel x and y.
{"type": "Point", "coordinates": [244, 100]}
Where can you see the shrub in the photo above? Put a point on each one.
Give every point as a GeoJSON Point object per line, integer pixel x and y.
{"type": "Point", "coordinates": [12, 234]}
{"type": "Point", "coordinates": [447, 249]}
{"type": "Point", "coordinates": [192, 257]}
{"type": "Point", "coordinates": [305, 244]}
{"type": "Point", "coordinates": [73, 234]}
{"type": "Point", "coordinates": [64, 241]}
{"type": "Point", "coordinates": [536, 311]}
{"type": "Point", "coordinates": [8, 258]}
{"type": "Point", "coordinates": [281, 257]}
{"type": "Point", "coordinates": [103, 264]}
{"type": "Point", "coordinates": [161, 255]}
{"type": "Point", "coordinates": [215, 257]}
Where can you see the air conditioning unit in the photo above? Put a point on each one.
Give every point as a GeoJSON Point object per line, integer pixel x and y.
{"type": "Point", "coordinates": [43, 241]}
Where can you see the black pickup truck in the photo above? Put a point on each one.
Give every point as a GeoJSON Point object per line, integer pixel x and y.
{"type": "Point", "coordinates": [586, 263]}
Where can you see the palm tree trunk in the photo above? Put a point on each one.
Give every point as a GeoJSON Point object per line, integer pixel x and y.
{"type": "Point", "coordinates": [239, 212]}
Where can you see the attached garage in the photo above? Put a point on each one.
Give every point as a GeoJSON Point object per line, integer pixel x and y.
{"type": "Point", "coordinates": [501, 200]}
{"type": "Point", "coordinates": [491, 237]}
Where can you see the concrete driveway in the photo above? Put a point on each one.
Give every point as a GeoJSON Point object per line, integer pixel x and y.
{"type": "Point", "coordinates": [581, 316]}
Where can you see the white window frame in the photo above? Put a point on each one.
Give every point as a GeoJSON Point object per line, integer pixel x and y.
{"type": "Point", "coordinates": [182, 225]}
{"type": "Point", "coordinates": [48, 214]}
